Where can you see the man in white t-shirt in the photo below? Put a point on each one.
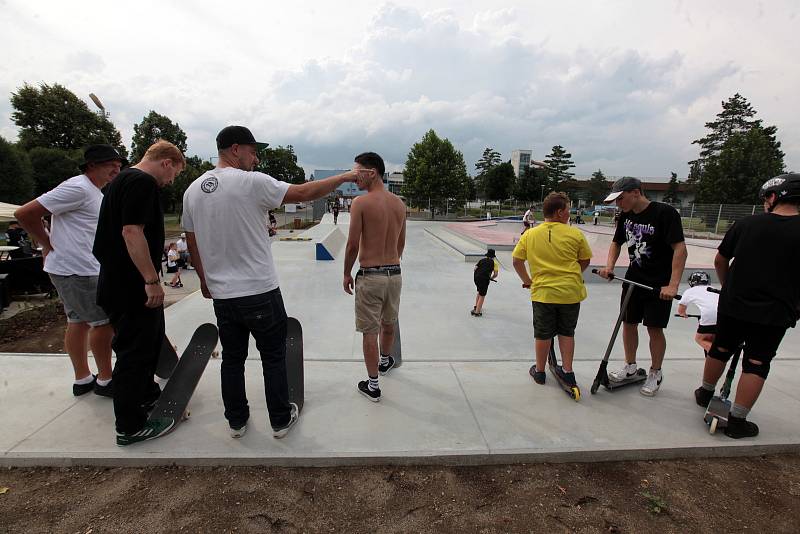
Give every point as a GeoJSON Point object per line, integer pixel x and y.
{"type": "Point", "coordinates": [224, 215]}
{"type": "Point", "coordinates": [67, 249]}
{"type": "Point", "coordinates": [183, 252]}
{"type": "Point", "coordinates": [529, 219]}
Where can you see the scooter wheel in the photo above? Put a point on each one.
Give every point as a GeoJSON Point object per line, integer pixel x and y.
{"type": "Point", "coordinates": [594, 388]}
{"type": "Point", "coordinates": [713, 426]}
{"type": "Point", "coordinates": [575, 393]}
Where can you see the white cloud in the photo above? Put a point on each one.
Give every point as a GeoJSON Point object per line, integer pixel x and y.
{"type": "Point", "coordinates": [624, 87]}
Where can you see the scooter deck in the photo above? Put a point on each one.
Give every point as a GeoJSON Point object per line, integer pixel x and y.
{"type": "Point", "coordinates": [716, 416]}
{"type": "Point", "coordinates": [573, 391]}
{"type": "Point", "coordinates": [611, 385]}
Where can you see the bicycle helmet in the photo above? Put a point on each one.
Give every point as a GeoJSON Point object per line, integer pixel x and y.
{"type": "Point", "coordinates": [699, 278]}
{"type": "Point", "coordinates": [785, 187]}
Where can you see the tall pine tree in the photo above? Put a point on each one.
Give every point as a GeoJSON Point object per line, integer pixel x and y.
{"type": "Point", "coordinates": [671, 196]}
{"type": "Point", "coordinates": [559, 162]}
{"type": "Point", "coordinates": [737, 155]}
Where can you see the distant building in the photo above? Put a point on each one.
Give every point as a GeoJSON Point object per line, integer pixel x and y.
{"type": "Point", "coordinates": [394, 182]}
{"type": "Point", "coordinates": [520, 159]}
{"type": "Point", "coordinates": [654, 188]}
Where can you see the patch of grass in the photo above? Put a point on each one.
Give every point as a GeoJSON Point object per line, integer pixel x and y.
{"type": "Point", "coordinates": [655, 504]}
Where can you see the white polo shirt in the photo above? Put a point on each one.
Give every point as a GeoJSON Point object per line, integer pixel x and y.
{"type": "Point", "coordinates": [75, 205]}
{"type": "Point", "coordinates": [227, 211]}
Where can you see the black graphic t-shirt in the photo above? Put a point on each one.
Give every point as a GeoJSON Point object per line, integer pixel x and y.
{"type": "Point", "coordinates": [484, 270]}
{"type": "Point", "coordinates": [132, 198]}
{"type": "Point", "coordinates": [762, 285]}
{"type": "Point", "coordinates": [649, 237]}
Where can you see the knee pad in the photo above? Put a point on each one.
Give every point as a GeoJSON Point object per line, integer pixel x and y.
{"type": "Point", "coordinates": [758, 369]}
{"type": "Point", "coordinates": [719, 355]}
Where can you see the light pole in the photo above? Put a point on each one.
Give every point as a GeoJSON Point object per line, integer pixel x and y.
{"type": "Point", "coordinates": [542, 199]}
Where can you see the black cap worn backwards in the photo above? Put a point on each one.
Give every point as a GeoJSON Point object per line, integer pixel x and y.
{"type": "Point", "coordinates": [100, 154]}
{"type": "Point", "coordinates": [626, 183]}
{"type": "Point", "coordinates": [237, 135]}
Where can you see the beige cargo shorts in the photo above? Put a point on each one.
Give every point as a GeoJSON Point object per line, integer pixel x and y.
{"type": "Point", "coordinates": [377, 300]}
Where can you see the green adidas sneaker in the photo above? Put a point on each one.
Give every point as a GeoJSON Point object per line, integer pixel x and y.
{"type": "Point", "coordinates": [152, 429]}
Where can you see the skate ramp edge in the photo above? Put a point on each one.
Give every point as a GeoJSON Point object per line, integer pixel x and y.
{"type": "Point", "coordinates": [329, 246]}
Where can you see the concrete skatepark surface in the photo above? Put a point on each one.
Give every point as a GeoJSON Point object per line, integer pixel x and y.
{"type": "Point", "coordinates": [462, 396]}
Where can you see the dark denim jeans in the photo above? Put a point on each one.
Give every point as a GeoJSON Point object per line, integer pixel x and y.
{"type": "Point", "coordinates": [264, 317]}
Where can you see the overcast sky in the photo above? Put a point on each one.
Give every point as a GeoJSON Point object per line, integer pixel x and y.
{"type": "Point", "coordinates": [623, 85]}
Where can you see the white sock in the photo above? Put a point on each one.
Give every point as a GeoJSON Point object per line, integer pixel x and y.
{"type": "Point", "coordinates": [85, 380]}
{"type": "Point", "coordinates": [373, 383]}
{"type": "Point", "coordinates": [384, 359]}
{"type": "Point", "coordinates": [103, 383]}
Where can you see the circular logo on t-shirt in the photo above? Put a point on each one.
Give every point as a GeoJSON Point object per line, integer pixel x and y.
{"type": "Point", "coordinates": [209, 185]}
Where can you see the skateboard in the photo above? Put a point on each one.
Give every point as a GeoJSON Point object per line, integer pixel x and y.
{"type": "Point", "coordinates": [294, 362]}
{"type": "Point", "coordinates": [573, 391]}
{"type": "Point", "coordinates": [174, 400]}
{"type": "Point", "coordinates": [167, 359]}
{"type": "Point", "coordinates": [397, 350]}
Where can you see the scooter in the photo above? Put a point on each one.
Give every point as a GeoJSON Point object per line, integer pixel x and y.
{"type": "Point", "coordinates": [557, 371]}
{"type": "Point", "coordinates": [602, 377]}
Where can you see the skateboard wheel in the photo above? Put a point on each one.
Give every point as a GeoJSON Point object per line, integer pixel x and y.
{"type": "Point", "coordinates": [713, 426]}
{"type": "Point", "coordinates": [575, 394]}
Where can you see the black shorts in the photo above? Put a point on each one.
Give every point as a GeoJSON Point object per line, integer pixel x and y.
{"type": "Point", "coordinates": [173, 269]}
{"type": "Point", "coordinates": [706, 329]}
{"type": "Point", "coordinates": [551, 320]}
{"type": "Point", "coordinates": [482, 285]}
{"type": "Point", "coordinates": [761, 341]}
{"type": "Point", "coordinates": [646, 307]}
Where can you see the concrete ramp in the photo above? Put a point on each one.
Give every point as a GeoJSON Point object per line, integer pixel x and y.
{"type": "Point", "coordinates": [328, 247]}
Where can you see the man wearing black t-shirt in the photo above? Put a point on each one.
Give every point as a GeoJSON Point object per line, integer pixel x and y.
{"type": "Point", "coordinates": [128, 244]}
{"type": "Point", "coordinates": [760, 298]}
{"type": "Point", "coordinates": [653, 234]}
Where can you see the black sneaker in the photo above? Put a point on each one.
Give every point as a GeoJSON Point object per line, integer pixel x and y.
{"type": "Point", "coordinates": [538, 376]}
{"type": "Point", "coordinates": [363, 388]}
{"type": "Point", "coordinates": [152, 429]}
{"type": "Point", "coordinates": [383, 369]}
{"type": "Point", "coordinates": [569, 378]}
{"type": "Point", "coordinates": [740, 428]}
{"type": "Point", "coordinates": [703, 397]}
{"type": "Point", "coordinates": [82, 389]}
{"type": "Point", "coordinates": [104, 391]}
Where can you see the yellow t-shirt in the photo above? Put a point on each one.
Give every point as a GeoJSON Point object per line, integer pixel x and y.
{"type": "Point", "coordinates": [552, 251]}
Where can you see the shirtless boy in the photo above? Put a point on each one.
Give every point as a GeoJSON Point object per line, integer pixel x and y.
{"type": "Point", "coordinates": [377, 237]}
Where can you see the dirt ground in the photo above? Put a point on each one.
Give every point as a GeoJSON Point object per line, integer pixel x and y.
{"type": "Point", "coordinates": [732, 495]}
{"type": "Point", "coordinates": [759, 494]}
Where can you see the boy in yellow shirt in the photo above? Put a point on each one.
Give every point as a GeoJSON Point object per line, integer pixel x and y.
{"type": "Point", "coordinates": [557, 254]}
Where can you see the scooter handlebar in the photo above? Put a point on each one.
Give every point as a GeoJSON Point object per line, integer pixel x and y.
{"type": "Point", "coordinates": [611, 276]}
{"type": "Point", "coordinates": [713, 290]}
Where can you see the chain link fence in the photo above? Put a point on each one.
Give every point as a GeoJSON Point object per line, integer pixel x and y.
{"type": "Point", "coordinates": [713, 220]}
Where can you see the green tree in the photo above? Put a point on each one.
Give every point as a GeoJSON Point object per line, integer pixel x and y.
{"type": "Point", "coordinates": [434, 171]}
{"type": "Point", "coordinates": [499, 181]}
{"type": "Point", "coordinates": [16, 174]}
{"type": "Point", "coordinates": [51, 116]}
{"type": "Point", "coordinates": [559, 162]}
{"type": "Point", "coordinates": [737, 155]}
{"type": "Point", "coordinates": [51, 166]}
{"type": "Point", "coordinates": [598, 187]}
{"type": "Point", "coordinates": [281, 163]}
{"type": "Point", "coordinates": [528, 186]}
{"type": "Point", "coordinates": [152, 128]}
{"type": "Point", "coordinates": [671, 196]}
{"type": "Point", "coordinates": [746, 161]}
{"type": "Point", "coordinates": [489, 160]}
{"type": "Point", "coordinates": [172, 195]}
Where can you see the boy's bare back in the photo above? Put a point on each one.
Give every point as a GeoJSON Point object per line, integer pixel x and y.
{"type": "Point", "coordinates": [380, 218]}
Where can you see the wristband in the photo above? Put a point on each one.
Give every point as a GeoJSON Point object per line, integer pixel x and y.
{"type": "Point", "coordinates": [151, 283]}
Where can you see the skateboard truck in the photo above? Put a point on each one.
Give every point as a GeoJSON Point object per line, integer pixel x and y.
{"type": "Point", "coordinates": [602, 378]}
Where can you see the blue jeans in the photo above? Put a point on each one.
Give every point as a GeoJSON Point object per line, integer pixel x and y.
{"type": "Point", "coordinates": [264, 317]}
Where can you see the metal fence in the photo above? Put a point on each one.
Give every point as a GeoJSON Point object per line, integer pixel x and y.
{"type": "Point", "coordinates": [713, 220]}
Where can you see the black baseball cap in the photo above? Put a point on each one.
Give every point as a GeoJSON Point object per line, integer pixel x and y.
{"type": "Point", "coordinates": [100, 154]}
{"type": "Point", "coordinates": [237, 135]}
{"type": "Point", "coordinates": [626, 183]}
